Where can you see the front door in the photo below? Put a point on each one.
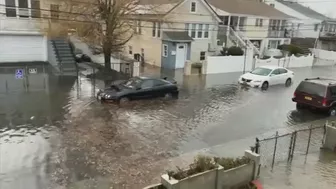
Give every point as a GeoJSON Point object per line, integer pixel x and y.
{"type": "Point", "coordinates": [181, 55]}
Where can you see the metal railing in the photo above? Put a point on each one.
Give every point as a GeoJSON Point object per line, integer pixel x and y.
{"type": "Point", "coordinates": [249, 43]}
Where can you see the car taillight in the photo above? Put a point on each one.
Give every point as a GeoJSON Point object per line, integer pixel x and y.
{"type": "Point", "coordinates": [294, 94]}
{"type": "Point", "coordinates": [324, 102]}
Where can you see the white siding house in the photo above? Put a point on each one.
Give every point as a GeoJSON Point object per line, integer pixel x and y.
{"type": "Point", "coordinates": [20, 36]}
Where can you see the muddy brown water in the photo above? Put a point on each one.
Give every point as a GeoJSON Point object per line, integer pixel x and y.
{"type": "Point", "coordinates": [54, 134]}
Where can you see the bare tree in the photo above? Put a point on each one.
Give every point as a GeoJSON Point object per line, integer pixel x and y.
{"type": "Point", "coordinates": [106, 23]}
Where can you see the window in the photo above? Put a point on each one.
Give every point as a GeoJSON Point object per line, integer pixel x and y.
{"type": "Point", "coordinates": [261, 71]}
{"type": "Point", "coordinates": [206, 31]}
{"type": "Point", "coordinates": [158, 30]}
{"type": "Point", "coordinates": [283, 71]}
{"type": "Point", "coordinates": [200, 31]}
{"type": "Point", "coordinates": [312, 88]}
{"type": "Point", "coordinates": [316, 27]}
{"type": "Point", "coordinates": [130, 50]}
{"type": "Point", "coordinates": [165, 50]}
{"type": "Point", "coordinates": [197, 30]}
{"type": "Point", "coordinates": [23, 8]}
{"type": "Point", "coordinates": [36, 12]}
{"type": "Point", "coordinates": [272, 5]}
{"type": "Point", "coordinates": [158, 83]}
{"type": "Point", "coordinates": [276, 72]}
{"type": "Point", "coordinates": [54, 11]}
{"type": "Point", "coordinates": [10, 8]}
{"type": "Point", "coordinates": [202, 55]}
{"type": "Point", "coordinates": [332, 91]}
{"type": "Point", "coordinates": [154, 29]}
{"type": "Point", "coordinates": [193, 7]}
{"type": "Point", "coordinates": [259, 22]}
{"type": "Point", "coordinates": [147, 84]}
{"type": "Point", "coordinates": [193, 30]}
{"type": "Point", "coordinates": [138, 27]}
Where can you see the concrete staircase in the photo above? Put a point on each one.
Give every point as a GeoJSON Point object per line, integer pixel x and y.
{"type": "Point", "coordinates": [304, 43]}
{"type": "Point", "coordinates": [64, 56]}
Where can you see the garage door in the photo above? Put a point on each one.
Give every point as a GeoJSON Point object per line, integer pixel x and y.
{"type": "Point", "coordinates": [19, 48]}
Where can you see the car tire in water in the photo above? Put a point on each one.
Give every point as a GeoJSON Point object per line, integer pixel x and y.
{"type": "Point", "coordinates": [332, 111]}
{"type": "Point", "coordinates": [264, 86]}
{"type": "Point", "coordinates": [288, 82]}
{"type": "Point", "coordinates": [299, 106]}
{"type": "Point", "coordinates": [123, 100]}
{"type": "Point", "coordinates": [168, 96]}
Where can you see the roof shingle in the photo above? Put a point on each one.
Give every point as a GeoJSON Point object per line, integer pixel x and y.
{"type": "Point", "coordinates": [304, 10]}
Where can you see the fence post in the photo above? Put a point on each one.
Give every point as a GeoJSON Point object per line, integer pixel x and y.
{"type": "Point", "coordinates": [6, 86]}
{"type": "Point", "coordinates": [290, 147]}
{"type": "Point", "coordinates": [275, 146]}
{"type": "Point", "coordinates": [310, 132]}
{"type": "Point", "coordinates": [294, 143]}
{"type": "Point", "coordinates": [257, 145]}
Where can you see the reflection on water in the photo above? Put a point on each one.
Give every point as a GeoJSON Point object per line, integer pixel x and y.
{"type": "Point", "coordinates": [54, 133]}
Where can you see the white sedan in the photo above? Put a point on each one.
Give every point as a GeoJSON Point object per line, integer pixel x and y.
{"type": "Point", "coordinates": [265, 76]}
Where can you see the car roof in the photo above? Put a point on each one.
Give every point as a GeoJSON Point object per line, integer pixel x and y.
{"type": "Point", "coordinates": [271, 67]}
{"type": "Point", "coordinates": [321, 81]}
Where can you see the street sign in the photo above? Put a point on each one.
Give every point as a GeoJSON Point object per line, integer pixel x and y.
{"type": "Point", "coordinates": [19, 74]}
{"type": "Point", "coordinates": [32, 70]}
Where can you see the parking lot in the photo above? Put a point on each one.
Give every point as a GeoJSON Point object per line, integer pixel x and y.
{"type": "Point", "coordinates": [78, 142]}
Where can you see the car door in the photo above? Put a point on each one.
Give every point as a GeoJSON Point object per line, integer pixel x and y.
{"type": "Point", "coordinates": [283, 75]}
{"type": "Point", "coordinates": [275, 77]}
{"type": "Point", "coordinates": [146, 89]}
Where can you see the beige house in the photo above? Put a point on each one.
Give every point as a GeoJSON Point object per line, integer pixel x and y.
{"type": "Point", "coordinates": [174, 31]}
{"type": "Point", "coordinates": [253, 21]}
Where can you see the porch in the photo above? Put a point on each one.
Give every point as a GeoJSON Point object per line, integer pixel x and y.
{"type": "Point", "coordinates": [277, 29]}
{"type": "Point", "coordinates": [235, 22]}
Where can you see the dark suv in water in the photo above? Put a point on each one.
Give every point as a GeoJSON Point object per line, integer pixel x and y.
{"type": "Point", "coordinates": [317, 93]}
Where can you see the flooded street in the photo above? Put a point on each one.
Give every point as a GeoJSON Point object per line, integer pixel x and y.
{"type": "Point", "coordinates": [54, 133]}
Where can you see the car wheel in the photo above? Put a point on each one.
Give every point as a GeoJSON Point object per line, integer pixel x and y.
{"type": "Point", "coordinates": [299, 106]}
{"type": "Point", "coordinates": [288, 82]}
{"type": "Point", "coordinates": [123, 100]}
{"type": "Point", "coordinates": [168, 96]}
{"type": "Point", "coordinates": [264, 86]}
{"type": "Point", "coordinates": [332, 111]}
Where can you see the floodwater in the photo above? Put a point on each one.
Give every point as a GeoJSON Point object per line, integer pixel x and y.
{"type": "Point", "coordinates": [54, 134]}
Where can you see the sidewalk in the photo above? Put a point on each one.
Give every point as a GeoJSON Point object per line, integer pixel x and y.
{"type": "Point", "coordinates": [317, 170]}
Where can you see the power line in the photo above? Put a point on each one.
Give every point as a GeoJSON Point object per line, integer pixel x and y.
{"type": "Point", "coordinates": [82, 14]}
{"type": "Point", "coordinates": [178, 29]}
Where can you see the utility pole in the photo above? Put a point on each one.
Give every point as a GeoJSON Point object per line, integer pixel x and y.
{"type": "Point", "coordinates": [245, 56]}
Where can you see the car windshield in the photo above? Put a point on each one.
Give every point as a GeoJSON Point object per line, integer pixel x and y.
{"type": "Point", "coordinates": [261, 71]}
{"type": "Point", "coordinates": [133, 82]}
{"type": "Point", "coordinates": [312, 88]}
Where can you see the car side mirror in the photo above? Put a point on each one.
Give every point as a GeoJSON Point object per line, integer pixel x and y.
{"type": "Point", "coordinates": [272, 75]}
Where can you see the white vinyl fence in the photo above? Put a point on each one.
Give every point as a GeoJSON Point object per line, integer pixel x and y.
{"type": "Point", "coordinates": [324, 57]}
{"type": "Point", "coordinates": [228, 64]}
{"type": "Point", "coordinates": [287, 62]}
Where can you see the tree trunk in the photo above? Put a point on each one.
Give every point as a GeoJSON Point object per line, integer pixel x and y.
{"type": "Point", "coordinates": [107, 56]}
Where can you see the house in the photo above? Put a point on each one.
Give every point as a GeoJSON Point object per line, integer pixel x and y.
{"type": "Point", "coordinates": [257, 24]}
{"type": "Point", "coordinates": [173, 32]}
{"type": "Point", "coordinates": [24, 37]}
{"type": "Point", "coordinates": [179, 30]}
{"type": "Point", "coordinates": [19, 32]}
{"type": "Point", "coordinates": [309, 25]}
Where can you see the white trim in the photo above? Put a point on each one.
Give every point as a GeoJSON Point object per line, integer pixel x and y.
{"type": "Point", "coordinates": [163, 50]}
{"type": "Point", "coordinates": [190, 10]}
{"type": "Point", "coordinates": [205, 4]}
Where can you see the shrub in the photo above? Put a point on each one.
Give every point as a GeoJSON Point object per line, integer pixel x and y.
{"type": "Point", "coordinates": [229, 163]}
{"type": "Point", "coordinates": [235, 51]}
{"type": "Point", "coordinates": [291, 49]}
{"type": "Point", "coordinates": [201, 164]}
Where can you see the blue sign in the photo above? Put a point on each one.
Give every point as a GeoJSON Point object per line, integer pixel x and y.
{"type": "Point", "coordinates": [19, 74]}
